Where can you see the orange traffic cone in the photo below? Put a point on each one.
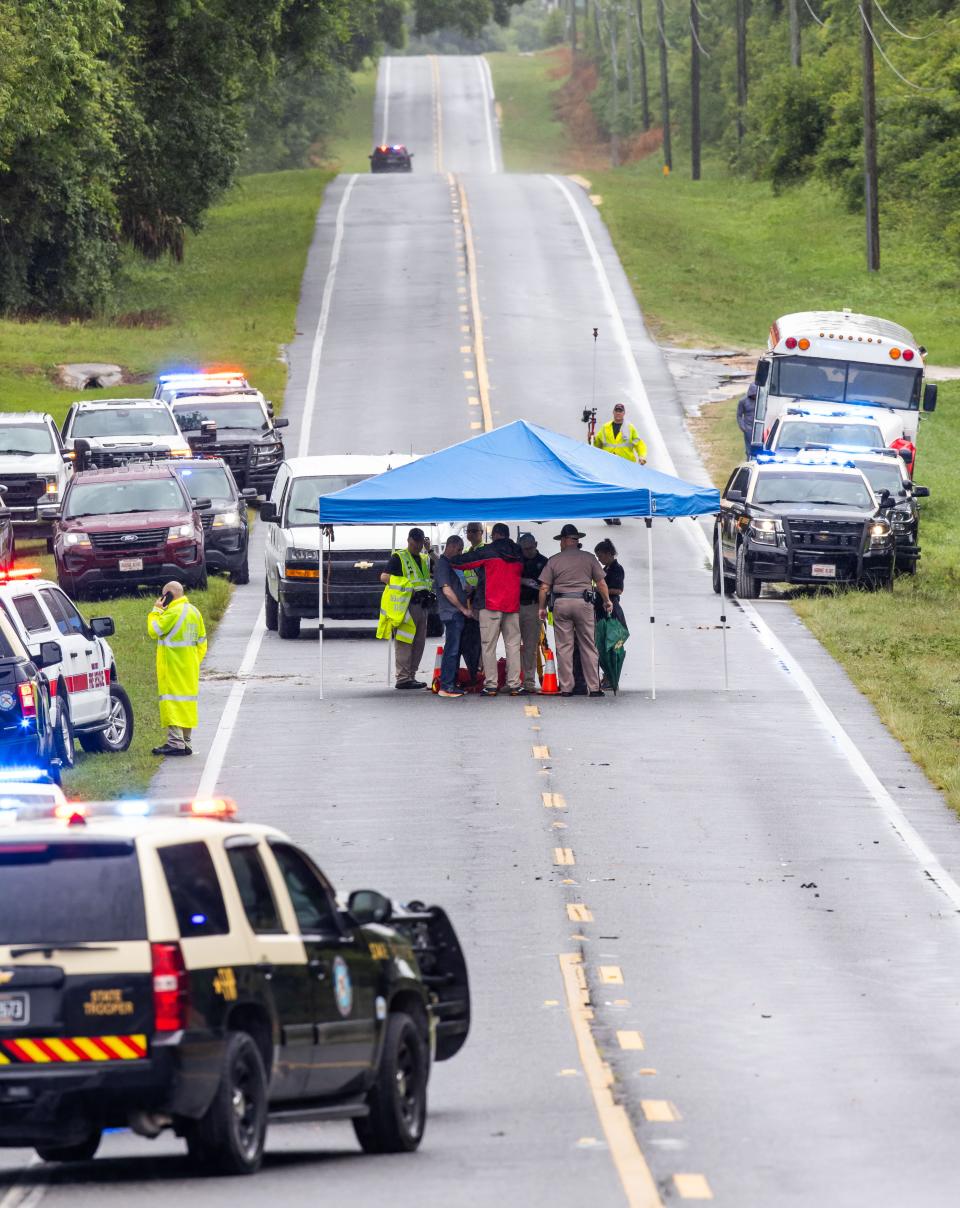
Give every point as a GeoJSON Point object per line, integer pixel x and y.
{"type": "Point", "coordinates": [435, 686]}
{"type": "Point", "coordinates": [549, 686]}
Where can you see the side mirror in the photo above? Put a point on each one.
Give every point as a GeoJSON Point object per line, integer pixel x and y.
{"type": "Point", "coordinates": [103, 627]}
{"type": "Point", "coordinates": [268, 511]}
{"type": "Point", "coordinates": [763, 372]}
{"type": "Point", "coordinates": [81, 450]}
{"type": "Point", "coordinates": [735, 496]}
{"type": "Point", "coordinates": [202, 505]}
{"type": "Point", "coordinates": [50, 654]}
{"type": "Point", "coordinates": [887, 501]}
{"type": "Point", "coordinates": [268, 403]}
{"type": "Point", "coordinates": [921, 492]}
{"type": "Point", "coordinates": [369, 906]}
{"type": "Point", "coordinates": [930, 396]}
{"type": "Point", "coordinates": [248, 493]}
{"type": "Point", "coordinates": [282, 422]}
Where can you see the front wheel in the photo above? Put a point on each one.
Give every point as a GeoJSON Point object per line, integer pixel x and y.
{"type": "Point", "coordinates": [81, 1152]}
{"type": "Point", "coordinates": [287, 626]}
{"type": "Point", "coordinates": [747, 585]}
{"type": "Point", "coordinates": [271, 616]}
{"type": "Point", "coordinates": [229, 1138]}
{"type": "Point", "coordinates": [117, 734]}
{"type": "Point", "coordinates": [398, 1098]}
{"type": "Point", "coordinates": [241, 575]}
{"type": "Point", "coordinates": [728, 585]}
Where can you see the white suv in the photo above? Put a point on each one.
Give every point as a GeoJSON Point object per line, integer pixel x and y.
{"type": "Point", "coordinates": [33, 467]}
{"type": "Point", "coordinates": [354, 555]}
{"type": "Point", "coordinates": [86, 700]}
{"type": "Point", "coordinates": [114, 431]}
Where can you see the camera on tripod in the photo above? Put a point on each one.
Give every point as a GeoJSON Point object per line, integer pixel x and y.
{"type": "Point", "coordinates": [589, 415]}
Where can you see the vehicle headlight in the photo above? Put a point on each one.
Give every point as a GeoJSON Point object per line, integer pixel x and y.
{"type": "Point", "coordinates": [879, 531]}
{"type": "Point", "coordinates": [75, 539]}
{"type": "Point", "coordinates": [182, 530]}
{"type": "Point", "coordinates": [267, 452]}
{"type": "Point", "coordinates": [765, 530]}
{"type": "Point", "coordinates": [50, 485]}
{"type": "Point", "coordinates": [227, 519]}
{"type": "Point", "coordinates": [901, 515]}
{"type": "Point", "coordinates": [301, 555]}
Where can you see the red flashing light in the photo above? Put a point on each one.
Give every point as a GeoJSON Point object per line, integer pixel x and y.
{"type": "Point", "coordinates": [71, 812]}
{"type": "Point", "coordinates": [908, 354]}
{"type": "Point", "coordinates": [28, 701]}
{"type": "Point", "coordinates": [790, 342]}
{"type": "Point", "coordinates": [20, 572]}
{"type": "Point", "coordinates": [213, 807]}
{"type": "Point", "coordinates": [171, 988]}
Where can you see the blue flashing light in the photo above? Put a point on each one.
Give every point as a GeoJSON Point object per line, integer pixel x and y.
{"type": "Point", "coordinates": [198, 920]}
{"type": "Point", "coordinates": [24, 774]}
{"type": "Point", "coordinates": [133, 809]}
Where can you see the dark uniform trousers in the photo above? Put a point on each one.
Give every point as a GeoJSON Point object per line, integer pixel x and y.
{"type": "Point", "coordinates": [574, 626]}
{"type": "Point", "coordinates": [409, 654]}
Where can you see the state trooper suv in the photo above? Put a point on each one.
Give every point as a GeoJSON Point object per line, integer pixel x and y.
{"type": "Point", "coordinates": [34, 468]}
{"type": "Point", "coordinates": [164, 967]}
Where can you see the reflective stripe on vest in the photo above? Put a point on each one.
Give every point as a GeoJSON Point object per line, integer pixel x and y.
{"type": "Point", "coordinates": [417, 572]}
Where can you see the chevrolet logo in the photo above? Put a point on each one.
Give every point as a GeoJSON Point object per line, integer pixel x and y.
{"type": "Point", "coordinates": [363, 566]}
{"type": "Point", "coordinates": [6, 975]}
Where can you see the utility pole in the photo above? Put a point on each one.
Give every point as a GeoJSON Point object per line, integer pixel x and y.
{"type": "Point", "coordinates": [793, 7]}
{"type": "Point", "coordinates": [694, 91]}
{"type": "Point", "coordinates": [573, 27]}
{"type": "Point", "coordinates": [613, 17]}
{"type": "Point", "coordinates": [644, 98]}
{"type": "Point", "coordinates": [631, 93]}
{"type": "Point", "coordinates": [741, 68]}
{"type": "Point", "coordinates": [664, 88]}
{"type": "Point", "coordinates": [597, 35]}
{"type": "Point", "coordinates": [870, 197]}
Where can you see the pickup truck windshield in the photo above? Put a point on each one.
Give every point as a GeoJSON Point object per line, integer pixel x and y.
{"type": "Point", "coordinates": [225, 415]}
{"type": "Point", "coordinates": [122, 422]}
{"type": "Point", "coordinates": [26, 439]}
{"type": "Point", "coordinates": [846, 382]}
{"type": "Point", "coordinates": [842, 490]}
{"type": "Point", "coordinates": [882, 476]}
{"type": "Point", "coordinates": [794, 434]}
{"type": "Point", "coordinates": [304, 493]}
{"type": "Point", "coordinates": [209, 482]}
{"type": "Point", "coordinates": [107, 498]}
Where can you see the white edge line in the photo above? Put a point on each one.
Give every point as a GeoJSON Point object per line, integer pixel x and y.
{"type": "Point", "coordinates": [845, 744]}
{"type": "Point", "coordinates": [386, 100]}
{"type": "Point", "coordinates": [228, 718]}
{"type": "Point", "coordinates": [486, 87]}
{"type": "Point", "coordinates": [309, 401]}
{"type": "Point", "coordinates": [23, 1194]}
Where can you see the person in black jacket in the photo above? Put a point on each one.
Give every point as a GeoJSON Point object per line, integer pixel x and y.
{"type": "Point", "coordinates": [533, 564]}
{"type": "Point", "coordinates": [606, 553]}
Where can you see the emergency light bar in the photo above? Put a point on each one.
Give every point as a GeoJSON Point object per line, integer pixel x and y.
{"type": "Point", "coordinates": [224, 375]}
{"type": "Point", "coordinates": [77, 813]}
{"type": "Point", "coordinates": [798, 459]}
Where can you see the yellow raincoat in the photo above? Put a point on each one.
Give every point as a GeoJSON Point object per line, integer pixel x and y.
{"type": "Point", "coordinates": [626, 443]}
{"type": "Point", "coordinates": [395, 621]}
{"type": "Point", "coordinates": [181, 641]}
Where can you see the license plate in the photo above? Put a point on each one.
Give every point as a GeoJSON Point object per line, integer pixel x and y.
{"type": "Point", "coordinates": [823, 570]}
{"type": "Point", "coordinates": [14, 1009]}
{"type": "Point", "coordinates": [131, 564]}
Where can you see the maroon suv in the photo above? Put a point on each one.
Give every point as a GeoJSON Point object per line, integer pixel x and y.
{"type": "Point", "coordinates": [128, 526]}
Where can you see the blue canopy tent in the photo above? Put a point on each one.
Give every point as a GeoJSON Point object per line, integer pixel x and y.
{"type": "Point", "coordinates": [522, 472]}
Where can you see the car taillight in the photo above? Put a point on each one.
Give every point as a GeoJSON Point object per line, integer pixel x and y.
{"type": "Point", "coordinates": [28, 702]}
{"type": "Point", "coordinates": [171, 990]}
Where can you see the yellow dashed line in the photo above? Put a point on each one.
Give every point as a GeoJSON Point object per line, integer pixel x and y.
{"type": "Point", "coordinates": [475, 425]}
{"type": "Point", "coordinates": [483, 377]}
{"type": "Point", "coordinates": [469, 374]}
{"type": "Point", "coordinates": [611, 975]}
{"type": "Point", "coordinates": [659, 1111]}
{"type": "Point", "coordinates": [554, 801]}
{"type": "Point", "coordinates": [563, 855]}
{"type": "Point", "coordinates": [692, 1187]}
{"type": "Point", "coordinates": [577, 912]}
{"type": "Point", "coordinates": [531, 710]}
{"type": "Point", "coordinates": [630, 1040]}
{"type": "Point", "coordinates": [541, 752]}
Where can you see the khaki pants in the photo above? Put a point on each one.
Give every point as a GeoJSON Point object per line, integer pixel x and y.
{"type": "Point", "coordinates": [408, 654]}
{"type": "Point", "coordinates": [179, 736]}
{"type": "Point", "coordinates": [530, 640]}
{"type": "Point", "coordinates": [574, 622]}
{"type": "Point", "coordinates": [492, 625]}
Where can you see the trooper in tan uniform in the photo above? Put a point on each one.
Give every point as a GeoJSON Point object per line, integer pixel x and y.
{"type": "Point", "coordinates": [570, 578]}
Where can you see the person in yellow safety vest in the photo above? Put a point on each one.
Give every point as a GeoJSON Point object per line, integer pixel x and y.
{"type": "Point", "coordinates": [403, 607]}
{"type": "Point", "coordinates": [178, 629]}
{"type": "Point", "coordinates": [621, 438]}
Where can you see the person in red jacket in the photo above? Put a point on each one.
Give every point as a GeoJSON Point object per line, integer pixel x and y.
{"type": "Point", "coordinates": [498, 600]}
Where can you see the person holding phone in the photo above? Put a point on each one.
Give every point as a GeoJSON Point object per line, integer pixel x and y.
{"type": "Point", "coordinates": [177, 627]}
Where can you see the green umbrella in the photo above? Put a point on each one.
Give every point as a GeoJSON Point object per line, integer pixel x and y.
{"type": "Point", "coordinates": [611, 635]}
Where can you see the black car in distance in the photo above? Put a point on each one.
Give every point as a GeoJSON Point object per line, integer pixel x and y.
{"type": "Point", "coordinates": [237, 425]}
{"type": "Point", "coordinates": [395, 158]}
{"type": "Point", "coordinates": [226, 529]}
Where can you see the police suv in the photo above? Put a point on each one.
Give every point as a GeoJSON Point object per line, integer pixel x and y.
{"type": "Point", "coordinates": [165, 967]}
{"type": "Point", "coordinates": [34, 467]}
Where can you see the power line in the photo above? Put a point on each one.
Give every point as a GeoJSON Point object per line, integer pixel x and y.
{"type": "Point", "coordinates": [812, 13]}
{"type": "Point", "coordinates": [702, 15]}
{"type": "Point", "coordinates": [911, 37]}
{"type": "Point", "coordinates": [663, 34]}
{"type": "Point", "coordinates": [883, 55]}
{"type": "Point", "coordinates": [693, 34]}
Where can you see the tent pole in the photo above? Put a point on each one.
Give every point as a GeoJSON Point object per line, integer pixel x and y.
{"type": "Point", "coordinates": [648, 521]}
{"type": "Point", "coordinates": [393, 546]}
{"type": "Point", "coordinates": [718, 554]}
{"type": "Point", "coordinates": [320, 599]}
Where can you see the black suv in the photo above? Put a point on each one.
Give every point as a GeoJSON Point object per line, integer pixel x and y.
{"type": "Point", "coordinates": [226, 528]}
{"type": "Point", "coordinates": [162, 967]}
{"type": "Point", "coordinates": [27, 730]}
{"type": "Point", "coordinates": [237, 425]}
{"type": "Point", "coordinates": [796, 521]}
{"type": "Point", "coordinates": [391, 159]}
{"type": "Point", "coordinates": [885, 470]}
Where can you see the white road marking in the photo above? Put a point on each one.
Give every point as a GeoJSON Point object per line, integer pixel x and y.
{"type": "Point", "coordinates": [486, 87]}
{"type": "Point", "coordinates": [310, 399]}
{"type": "Point", "coordinates": [882, 798]}
{"type": "Point", "coordinates": [24, 1194]}
{"type": "Point", "coordinates": [386, 100]}
{"type": "Point", "coordinates": [228, 718]}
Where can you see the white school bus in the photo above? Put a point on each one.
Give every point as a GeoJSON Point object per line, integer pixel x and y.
{"type": "Point", "coordinates": [849, 360]}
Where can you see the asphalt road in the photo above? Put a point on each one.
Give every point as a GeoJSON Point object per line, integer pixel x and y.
{"type": "Point", "coordinates": [758, 882]}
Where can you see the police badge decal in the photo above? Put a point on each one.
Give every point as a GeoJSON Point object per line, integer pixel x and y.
{"type": "Point", "coordinates": [342, 986]}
